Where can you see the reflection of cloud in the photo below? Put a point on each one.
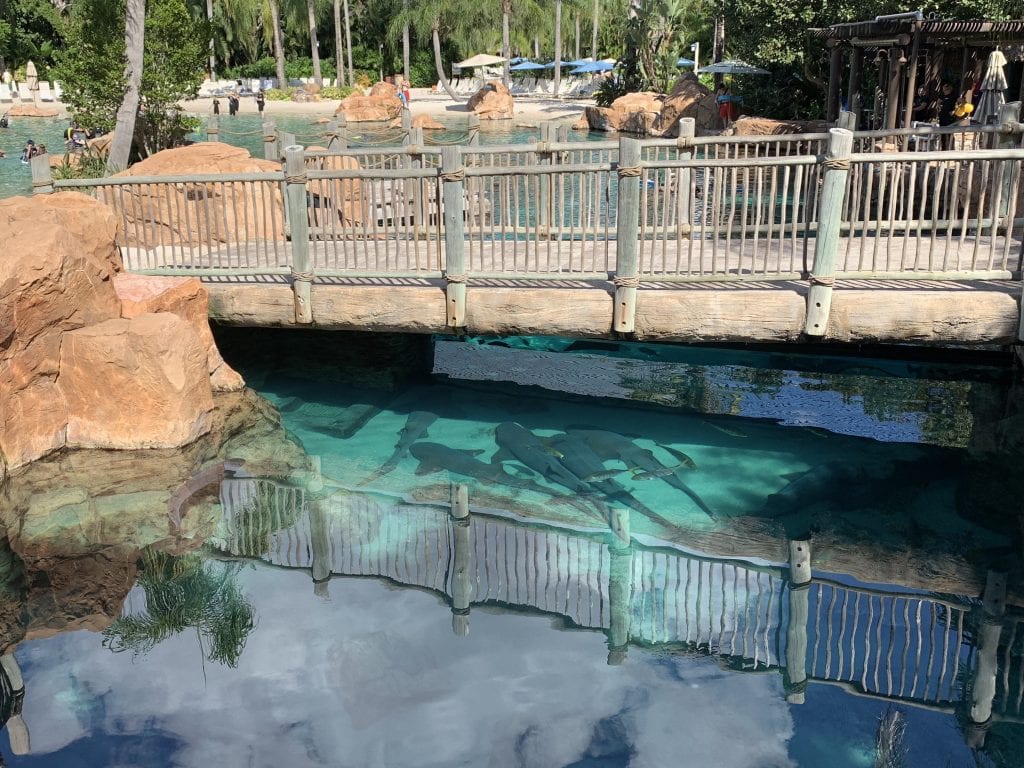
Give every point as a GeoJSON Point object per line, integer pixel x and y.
{"type": "Point", "coordinates": [375, 678]}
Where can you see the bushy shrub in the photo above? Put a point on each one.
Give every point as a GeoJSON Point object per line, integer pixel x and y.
{"type": "Point", "coordinates": [279, 94]}
{"type": "Point", "coordinates": [336, 92]}
{"type": "Point", "coordinates": [609, 90]}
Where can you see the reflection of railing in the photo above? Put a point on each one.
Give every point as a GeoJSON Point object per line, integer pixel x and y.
{"type": "Point", "coordinates": [911, 647]}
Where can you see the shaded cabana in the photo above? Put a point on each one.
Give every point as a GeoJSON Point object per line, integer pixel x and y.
{"type": "Point", "coordinates": [906, 51]}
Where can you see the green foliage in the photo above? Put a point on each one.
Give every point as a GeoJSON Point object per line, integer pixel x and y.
{"type": "Point", "coordinates": [186, 593]}
{"type": "Point", "coordinates": [88, 164]}
{"type": "Point", "coordinates": [609, 90]}
{"type": "Point", "coordinates": [279, 94]}
{"type": "Point", "coordinates": [336, 92]}
{"type": "Point", "coordinates": [91, 68]}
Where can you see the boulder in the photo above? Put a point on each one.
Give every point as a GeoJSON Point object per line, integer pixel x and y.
{"type": "Point", "coordinates": [180, 214]}
{"type": "Point", "coordinates": [381, 105]}
{"type": "Point", "coordinates": [55, 276]}
{"type": "Point", "coordinates": [492, 102]}
{"type": "Point", "coordinates": [632, 113]}
{"type": "Point", "coordinates": [186, 298]}
{"type": "Point", "coordinates": [684, 100]}
{"type": "Point", "coordinates": [581, 124]}
{"type": "Point", "coordinates": [132, 383]}
{"type": "Point", "coordinates": [764, 126]}
{"type": "Point", "coordinates": [426, 122]}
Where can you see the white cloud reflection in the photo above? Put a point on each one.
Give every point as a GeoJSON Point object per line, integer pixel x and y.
{"type": "Point", "coordinates": [375, 677]}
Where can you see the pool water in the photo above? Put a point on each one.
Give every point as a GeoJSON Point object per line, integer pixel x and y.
{"type": "Point", "coordinates": [339, 609]}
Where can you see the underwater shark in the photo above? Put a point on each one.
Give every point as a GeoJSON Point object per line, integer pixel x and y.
{"type": "Point", "coordinates": [417, 425]}
{"type": "Point", "coordinates": [517, 442]}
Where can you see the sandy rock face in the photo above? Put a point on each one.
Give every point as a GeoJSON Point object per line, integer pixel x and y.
{"type": "Point", "coordinates": [55, 276]}
{"type": "Point", "coordinates": [135, 383]}
{"type": "Point", "coordinates": [493, 102]}
{"type": "Point", "coordinates": [182, 215]}
{"type": "Point", "coordinates": [186, 298]}
{"type": "Point", "coordinates": [684, 100]}
{"type": "Point", "coordinates": [632, 113]}
{"type": "Point", "coordinates": [426, 122]}
{"type": "Point", "coordinates": [764, 126]}
{"type": "Point", "coordinates": [382, 104]}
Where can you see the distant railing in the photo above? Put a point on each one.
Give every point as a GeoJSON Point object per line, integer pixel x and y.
{"type": "Point", "coordinates": [902, 645]}
{"type": "Point", "coordinates": [686, 209]}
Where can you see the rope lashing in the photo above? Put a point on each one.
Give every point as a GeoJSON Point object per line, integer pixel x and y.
{"type": "Point", "coordinates": [302, 277]}
{"type": "Point", "coordinates": [630, 171]}
{"type": "Point", "coordinates": [825, 280]}
{"type": "Point", "coordinates": [270, 137]}
{"type": "Point", "coordinates": [684, 142]}
{"type": "Point", "coordinates": [40, 183]}
{"type": "Point", "coordinates": [414, 149]}
{"type": "Point", "coordinates": [543, 148]}
{"type": "Point", "coordinates": [298, 178]}
{"type": "Point", "coordinates": [837, 164]}
{"type": "Point", "coordinates": [626, 281]}
{"type": "Point", "coordinates": [456, 278]}
{"type": "Point", "coordinates": [456, 175]}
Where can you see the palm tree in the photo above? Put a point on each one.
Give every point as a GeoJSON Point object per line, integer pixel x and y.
{"type": "Point", "coordinates": [314, 44]}
{"type": "Point", "coordinates": [209, 18]}
{"type": "Point", "coordinates": [506, 13]}
{"type": "Point", "coordinates": [405, 44]}
{"type": "Point", "coordinates": [275, 20]}
{"type": "Point", "coordinates": [593, 34]}
{"type": "Point", "coordinates": [134, 43]}
{"type": "Point", "coordinates": [558, 46]}
{"type": "Point", "coordinates": [430, 17]}
{"type": "Point", "coordinates": [348, 45]}
{"type": "Point", "coordinates": [339, 44]}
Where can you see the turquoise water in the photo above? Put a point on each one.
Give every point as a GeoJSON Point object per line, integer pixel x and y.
{"type": "Point", "coordinates": [332, 612]}
{"type": "Point", "coordinates": [16, 178]}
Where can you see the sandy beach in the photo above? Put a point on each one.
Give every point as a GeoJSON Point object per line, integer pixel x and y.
{"type": "Point", "coordinates": [529, 111]}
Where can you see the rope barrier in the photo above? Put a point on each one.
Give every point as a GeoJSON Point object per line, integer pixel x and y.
{"type": "Point", "coordinates": [241, 133]}
{"type": "Point", "coordinates": [626, 281]}
{"type": "Point", "coordinates": [826, 280]}
{"type": "Point", "coordinates": [837, 164]}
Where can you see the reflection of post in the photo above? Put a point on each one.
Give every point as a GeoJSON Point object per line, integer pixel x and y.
{"type": "Point", "coordinates": [320, 544]}
{"type": "Point", "coordinates": [796, 631]}
{"type": "Point", "coordinates": [620, 587]}
{"type": "Point", "coordinates": [17, 730]}
{"type": "Point", "coordinates": [983, 690]}
{"type": "Point", "coordinates": [461, 586]}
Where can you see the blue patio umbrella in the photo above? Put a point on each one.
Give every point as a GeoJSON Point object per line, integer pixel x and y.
{"type": "Point", "coordinates": [577, 62]}
{"type": "Point", "coordinates": [684, 62]}
{"type": "Point", "coordinates": [526, 66]}
{"type": "Point", "coordinates": [593, 66]}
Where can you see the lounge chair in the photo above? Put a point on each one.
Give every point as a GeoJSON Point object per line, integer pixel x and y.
{"type": "Point", "coordinates": [24, 93]}
{"type": "Point", "coordinates": [44, 91]}
{"type": "Point", "coordinates": [5, 93]}
{"type": "Point", "coordinates": [58, 91]}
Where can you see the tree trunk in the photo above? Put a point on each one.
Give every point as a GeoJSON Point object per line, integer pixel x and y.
{"type": "Point", "coordinates": [213, 60]}
{"type": "Point", "coordinates": [435, 35]}
{"type": "Point", "coordinates": [314, 45]}
{"type": "Point", "coordinates": [506, 11]}
{"type": "Point", "coordinates": [719, 49]}
{"type": "Point", "coordinates": [593, 34]}
{"type": "Point", "coordinates": [127, 113]}
{"type": "Point", "coordinates": [339, 45]}
{"type": "Point", "coordinates": [576, 57]}
{"type": "Point", "coordinates": [348, 47]}
{"type": "Point", "coordinates": [405, 45]}
{"type": "Point", "coordinates": [558, 48]}
{"type": "Point", "coordinates": [275, 18]}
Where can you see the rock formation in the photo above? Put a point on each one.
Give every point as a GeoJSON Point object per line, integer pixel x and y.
{"type": "Point", "coordinates": [183, 214]}
{"type": "Point", "coordinates": [79, 366]}
{"type": "Point", "coordinates": [764, 126]}
{"type": "Point", "coordinates": [381, 105]}
{"type": "Point", "coordinates": [426, 122]}
{"type": "Point", "coordinates": [492, 102]}
{"type": "Point", "coordinates": [632, 113]}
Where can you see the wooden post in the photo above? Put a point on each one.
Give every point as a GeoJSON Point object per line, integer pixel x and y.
{"type": "Point", "coordinates": [627, 237]}
{"type": "Point", "coordinates": [892, 97]}
{"type": "Point", "coordinates": [796, 632]}
{"type": "Point", "coordinates": [288, 140]}
{"type": "Point", "coordinates": [547, 137]}
{"type": "Point", "coordinates": [406, 124]}
{"type": "Point", "coordinates": [620, 600]}
{"type": "Point", "coordinates": [213, 128]}
{"type": "Point", "coordinates": [618, 522]}
{"type": "Point", "coordinates": [1009, 121]}
{"type": "Point", "coordinates": [462, 587]}
{"type": "Point", "coordinates": [420, 224]}
{"type": "Point", "coordinates": [42, 175]}
{"type": "Point", "coordinates": [983, 687]}
{"type": "Point", "coordinates": [341, 131]}
{"type": "Point", "coordinates": [854, 97]}
{"type": "Point", "coordinates": [847, 120]}
{"type": "Point", "coordinates": [473, 131]}
{"type": "Point", "coordinates": [453, 175]}
{"type": "Point", "coordinates": [835, 70]}
{"type": "Point", "coordinates": [460, 500]}
{"type": "Point", "coordinates": [915, 55]}
{"type": "Point", "coordinates": [270, 150]}
{"type": "Point", "coordinates": [826, 245]}
{"type": "Point", "coordinates": [320, 546]}
{"type": "Point", "coordinates": [298, 219]}
{"type": "Point", "coordinates": [684, 143]}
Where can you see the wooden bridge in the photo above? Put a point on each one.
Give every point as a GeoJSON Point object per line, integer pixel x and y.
{"type": "Point", "coordinates": [906, 645]}
{"type": "Point", "coordinates": [912, 235]}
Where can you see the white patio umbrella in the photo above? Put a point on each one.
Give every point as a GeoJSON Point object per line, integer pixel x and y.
{"type": "Point", "coordinates": [32, 79]}
{"type": "Point", "coordinates": [733, 67]}
{"type": "Point", "coordinates": [480, 60]}
{"type": "Point", "coordinates": [992, 93]}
